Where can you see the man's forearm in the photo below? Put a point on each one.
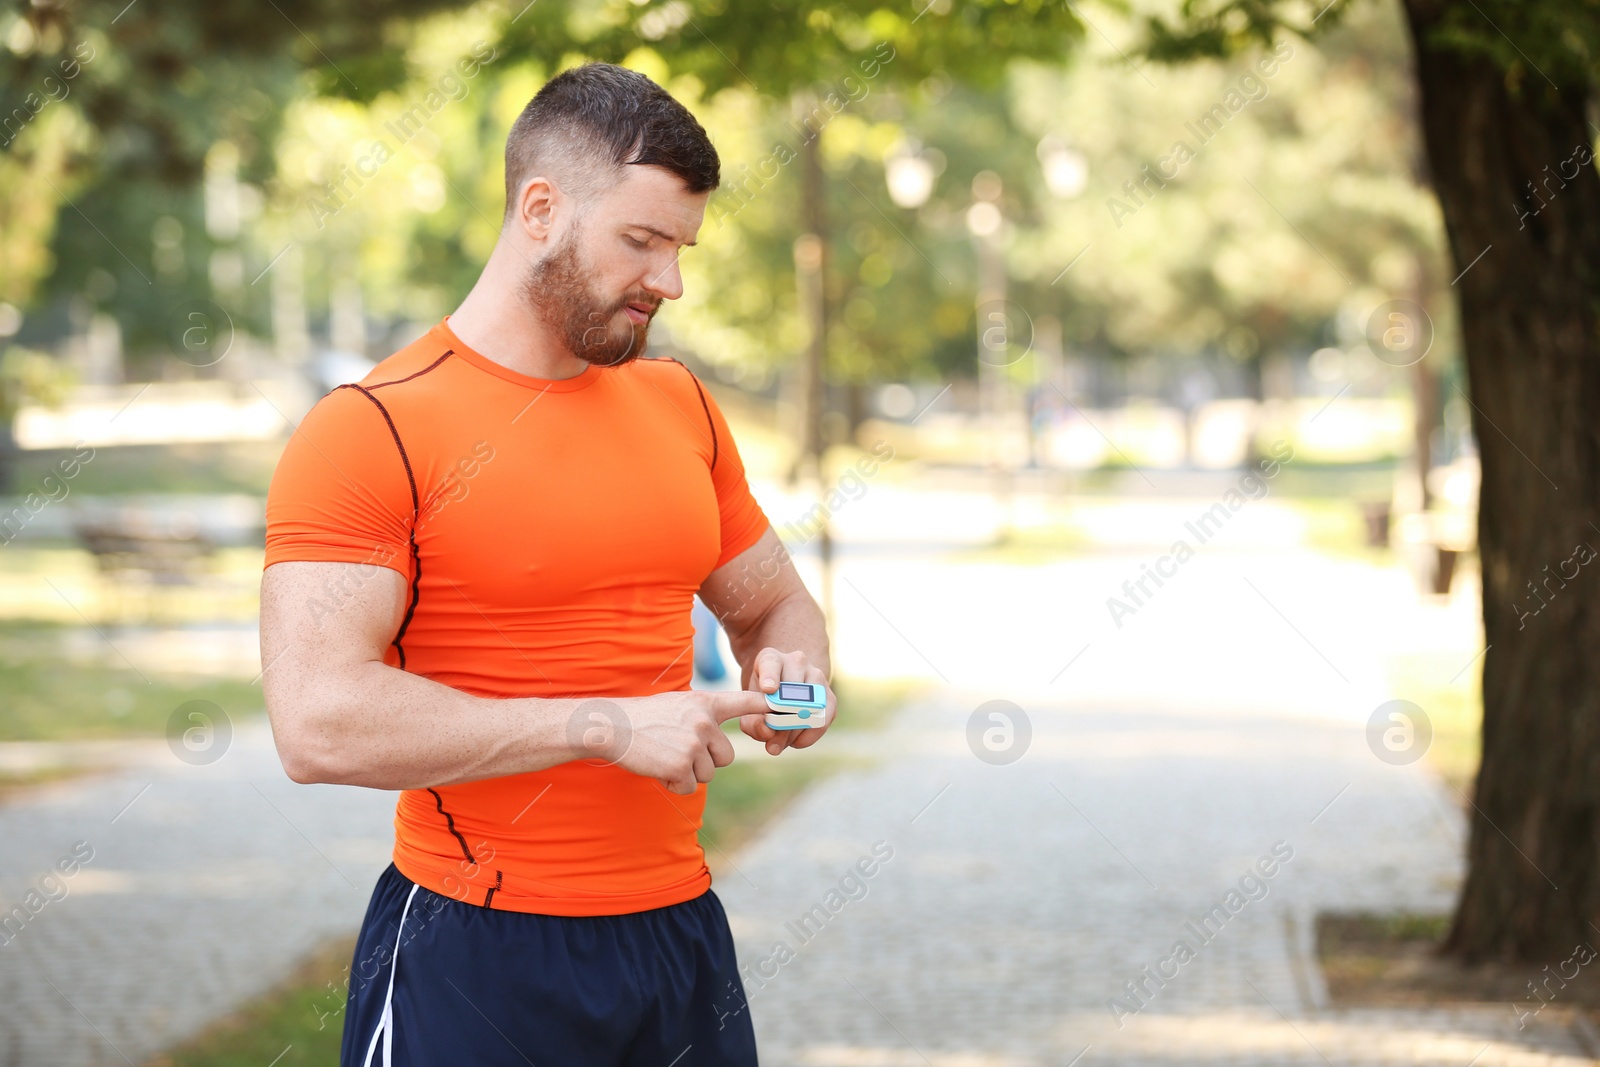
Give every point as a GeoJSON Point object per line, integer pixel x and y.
{"type": "Point", "coordinates": [793, 624]}
{"type": "Point", "coordinates": [381, 727]}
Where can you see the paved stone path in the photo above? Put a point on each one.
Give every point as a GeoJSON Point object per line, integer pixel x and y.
{"type": "Point", "coordinates": [1020, 899]}
{"type": "Point", "coordinates": [207, 884]}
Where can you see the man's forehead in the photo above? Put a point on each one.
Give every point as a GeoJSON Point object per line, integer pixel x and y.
{"type": "Point", "coordinates": [655, 199]}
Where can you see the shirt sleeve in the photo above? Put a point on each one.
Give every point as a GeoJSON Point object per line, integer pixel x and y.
{"type": "Point", "coordinates": [341, 492]}
{"type": "Point", "coordinates": [743, 521]}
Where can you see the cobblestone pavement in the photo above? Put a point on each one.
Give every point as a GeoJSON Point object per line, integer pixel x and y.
{"type": "Point", "coordinates": [206, 885]}
{"type": "Point", "coordinates": [1020, 900]}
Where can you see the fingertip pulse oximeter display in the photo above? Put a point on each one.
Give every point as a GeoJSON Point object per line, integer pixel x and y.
{"type": "Point", "coordinates": [797, 706]}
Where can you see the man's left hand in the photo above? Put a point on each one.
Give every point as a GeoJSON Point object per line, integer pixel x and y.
{"type": "Point", "coordinates": [770, 668]}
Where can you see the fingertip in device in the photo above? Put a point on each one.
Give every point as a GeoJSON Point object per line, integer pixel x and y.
{"type": "Point", "coordinates": [797, 706]}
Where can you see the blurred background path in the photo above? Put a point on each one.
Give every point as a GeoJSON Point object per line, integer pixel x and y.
{"type": "Point", "coordinates": [206, 885]}
{"type": "Point", "coordinates": [1021, 899]}
{"type": "Point", "coordinates": [1155, 764]}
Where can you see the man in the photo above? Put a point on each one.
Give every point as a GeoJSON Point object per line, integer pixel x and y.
{"type": "Point", "coordinates": [480, 564]}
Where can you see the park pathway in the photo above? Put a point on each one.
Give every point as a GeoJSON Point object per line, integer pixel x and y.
{"type": "Point", "coordinates": [206, 885]}
{"type": "Point", "coordinates": [1020, 899]}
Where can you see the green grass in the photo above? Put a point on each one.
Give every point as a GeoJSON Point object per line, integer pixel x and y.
{"type": "Point", "coordinates": [44, 697]}
{"type": "Point", "coordinates": [301, 1020]}
{"type": "Point", "coordinates": [1368, 928]}
{"type": "Point", "coordinates": [211, 467]}
{"type": "Point", "coordinates": [748, 792]}
{"type": "Point", "coordinates": [1454, 710]}
{"type": "Point", "coordinates": [1392, 961]}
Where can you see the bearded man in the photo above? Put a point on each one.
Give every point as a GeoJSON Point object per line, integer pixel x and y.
{"type": "Point", "coordinates": [479, 571]}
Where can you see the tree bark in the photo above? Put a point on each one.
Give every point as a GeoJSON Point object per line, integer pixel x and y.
{"type": "Point", "coordinates": [1511, 162]}
{"type": "Point", "coordinates": [814, 294]}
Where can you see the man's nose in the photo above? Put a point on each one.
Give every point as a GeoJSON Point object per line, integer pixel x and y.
{"type": "Point", "coordinates": [667, 283]}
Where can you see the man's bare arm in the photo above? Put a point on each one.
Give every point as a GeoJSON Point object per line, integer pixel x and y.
{"type": "Point", "coordinates": [775, 628]}
{"type": "Point", "coordinates": [339, 714]}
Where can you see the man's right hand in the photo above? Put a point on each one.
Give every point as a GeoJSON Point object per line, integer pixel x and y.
{"type": "Point", "coordinates": [675, 738]}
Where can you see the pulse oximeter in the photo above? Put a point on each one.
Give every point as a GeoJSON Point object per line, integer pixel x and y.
{"type": "Point", "coordinates": [797, 706]}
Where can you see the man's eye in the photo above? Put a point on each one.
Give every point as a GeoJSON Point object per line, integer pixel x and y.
{"type": "Point", "coordinates": [635, 242]}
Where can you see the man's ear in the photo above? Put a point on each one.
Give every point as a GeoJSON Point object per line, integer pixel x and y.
{"type": "Point", "coordinates": [537, 203]}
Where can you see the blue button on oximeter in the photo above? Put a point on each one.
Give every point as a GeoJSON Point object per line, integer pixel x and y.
{"type": "Point", "coordinates": [797, 706]}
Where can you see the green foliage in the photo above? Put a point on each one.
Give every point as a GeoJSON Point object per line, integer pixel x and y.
{"type": "Point", "coordinates": [123, 102]}
{"type": "Point", "coordinates": [1540, 44]}
{"type": "Point", "coordinates": [27, 376]}
{"type": "Point", "coordinates": [1215, 28]}
{"type": "Point", "coordinates": [778, 47]}
{"type": "Point", "coordinates": [1300, 209]}
{"type": "Point", "coordinates": [1208, 265]}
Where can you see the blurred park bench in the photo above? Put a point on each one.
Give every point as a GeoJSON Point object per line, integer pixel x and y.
{"type": "Point", "coordinates": [166, 549]}
{"type": "Point", "coordinates": [154, 562]}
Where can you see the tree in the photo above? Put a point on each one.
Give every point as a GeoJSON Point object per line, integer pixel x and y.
{"type": "Point", "coordinates": [1505, 88]}
{"type": "Point", "coordinates": [107, 112]}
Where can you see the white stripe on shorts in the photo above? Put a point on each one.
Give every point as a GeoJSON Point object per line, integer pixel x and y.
{"type": "Point", "coordinates": [386, 1020]}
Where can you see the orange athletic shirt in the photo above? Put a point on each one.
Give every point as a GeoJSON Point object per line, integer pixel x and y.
{"type": "Point", "coordinates": [552, 535]}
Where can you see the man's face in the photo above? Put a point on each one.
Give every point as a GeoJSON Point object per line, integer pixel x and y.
{"type": "Point", "coordinates": [606, 277]}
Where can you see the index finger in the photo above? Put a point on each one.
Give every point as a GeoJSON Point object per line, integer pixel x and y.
{"type": "Point", "coordinates": [731, 704]}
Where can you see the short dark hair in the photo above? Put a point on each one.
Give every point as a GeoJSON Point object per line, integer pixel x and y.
{"type": "Point", "coordinates": [598, 118]}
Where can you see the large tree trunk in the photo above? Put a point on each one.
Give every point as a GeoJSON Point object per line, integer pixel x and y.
{"type": "Point", "coordinates": [1528, 322]}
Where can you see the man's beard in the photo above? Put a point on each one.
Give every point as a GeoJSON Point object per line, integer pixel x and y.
{"type": "Point", "coordinates": [556, 288]}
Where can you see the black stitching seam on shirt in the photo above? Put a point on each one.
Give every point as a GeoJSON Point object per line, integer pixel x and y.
{"type": "Point", "coordinates": [448, 353]}
{"type": "Point", "coordinates": [416, 508]}
{"type": "Point", "coordinates": [450, 824]}
{"type": "Point", "coordinates": [416, 560]}
{"type": "Point", "coordinates": [703, 407]}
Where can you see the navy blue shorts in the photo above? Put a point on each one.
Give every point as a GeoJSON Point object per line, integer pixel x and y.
{"type": "Point", "coordinates": [476, 987]}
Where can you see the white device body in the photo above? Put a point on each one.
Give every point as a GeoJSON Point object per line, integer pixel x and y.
{"type": "Point", "coordinates": [797, 706]}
